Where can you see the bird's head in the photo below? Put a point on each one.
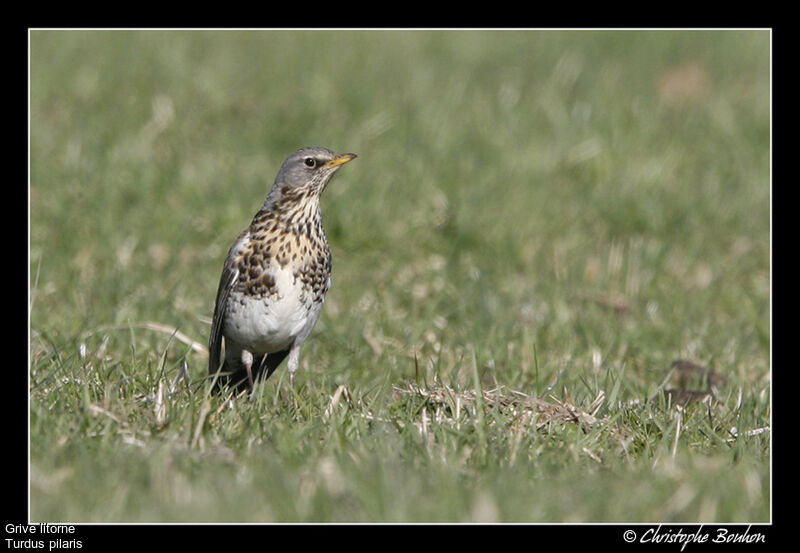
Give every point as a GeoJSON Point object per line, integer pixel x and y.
{"type": "Point", "coordinates": [306, 172]}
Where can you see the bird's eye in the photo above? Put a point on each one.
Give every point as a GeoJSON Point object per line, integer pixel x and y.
{"type": "Point", "coordinates": [310, 162]}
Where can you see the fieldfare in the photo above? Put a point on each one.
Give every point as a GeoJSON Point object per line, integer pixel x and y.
{"type": "Point", "coordinates": [276, 276]}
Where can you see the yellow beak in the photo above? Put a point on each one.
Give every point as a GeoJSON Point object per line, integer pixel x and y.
{"type": "Point", "coordinates": [340, 160]}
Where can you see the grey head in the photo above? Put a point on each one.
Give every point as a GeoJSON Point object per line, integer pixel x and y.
{"type": "Point", "coordinates": [305, 173]}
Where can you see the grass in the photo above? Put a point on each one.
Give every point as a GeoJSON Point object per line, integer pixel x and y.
{"type": "Point", "coordinates": [537, 225]}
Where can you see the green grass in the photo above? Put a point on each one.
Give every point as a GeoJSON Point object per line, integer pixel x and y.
{"type": "Point", "coordinates": [554, 214]}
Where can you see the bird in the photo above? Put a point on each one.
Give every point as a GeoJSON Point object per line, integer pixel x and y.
{"type": "Point", "coordinates": [275, 276]}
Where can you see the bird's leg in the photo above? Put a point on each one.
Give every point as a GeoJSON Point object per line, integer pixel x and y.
{"type": "Point", "coordinates": [247, 361]}
{"type": "Point", "coordinates": [293, 364]}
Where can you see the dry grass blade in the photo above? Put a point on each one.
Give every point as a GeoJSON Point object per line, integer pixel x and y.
{"type": "Point", "coordinates": [98, 410]}
{"type": "Point", "coordinates": [197, 347]}
{"type": "Point", "coordinates": [518, 403]}
{"type": "Point", "coordinates": [180, 336]}
{"type": "Point", "coordinates": [337, 395]}
{"type": "Point", "coordinates": [183, 374]}
{"type": "Point", "coordinates": [160, 406]}
{"type": "Point", "coordinates": [201, 420]}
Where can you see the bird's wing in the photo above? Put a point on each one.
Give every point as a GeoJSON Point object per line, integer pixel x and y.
{"type": "Point", "coordinates": [226, 283]}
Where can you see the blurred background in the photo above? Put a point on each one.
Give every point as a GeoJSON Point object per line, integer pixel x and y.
{"type": "Point", "coordinates": [549, 200]}
{"type": "Point", "coordinates": [504, 162]}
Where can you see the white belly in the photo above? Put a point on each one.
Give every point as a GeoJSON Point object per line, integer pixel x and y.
{"type": "Point", "coordinates": [272, 323]}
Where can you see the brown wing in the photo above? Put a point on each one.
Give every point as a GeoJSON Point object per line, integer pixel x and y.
{"type": "Point", "coordinates": [226, 283]}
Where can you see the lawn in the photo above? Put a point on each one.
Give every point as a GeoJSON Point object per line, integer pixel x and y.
{"type": "Point", "coordinates": [538, 225]}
